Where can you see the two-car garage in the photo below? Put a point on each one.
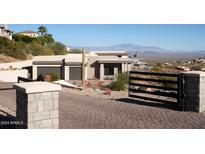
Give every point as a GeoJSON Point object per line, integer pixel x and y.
{"type": "Point", "coordinates": [75, 73]}
{"type": "Point", "coordinates": [64, 67]}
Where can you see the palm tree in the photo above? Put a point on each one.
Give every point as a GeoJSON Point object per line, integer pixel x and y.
{"type": "Point", "coordinates": [42, 30]}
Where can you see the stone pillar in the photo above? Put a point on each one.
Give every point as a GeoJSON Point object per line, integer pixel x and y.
{"type": "Point", "coordinates": [194, 91]}
{"type": "Point", "coordinates": [37, 104]}
{"type": "Point", "coordinates": [102, 71]}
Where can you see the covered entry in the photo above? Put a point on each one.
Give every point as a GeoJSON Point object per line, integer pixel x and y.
{"type": "Point", "coordinates": [46, 70]}
{"type": "Point", "coordinates": [75, 73]}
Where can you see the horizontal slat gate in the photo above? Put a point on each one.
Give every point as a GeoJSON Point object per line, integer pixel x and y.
{"type": "Point", "coordinates": [158, 87]}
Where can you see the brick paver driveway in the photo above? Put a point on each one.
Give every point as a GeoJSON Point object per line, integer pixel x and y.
{"type": "Point", "coordinates": [88, 112]}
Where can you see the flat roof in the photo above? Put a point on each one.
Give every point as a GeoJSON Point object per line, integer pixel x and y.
{"type": "Point", "coordinates": [110, 51]}
{"type": "Point", "coordinates": [116, 52]}
{"type": "Point", "coordinates": [49, 58]}
{"type": "Point", "coordinates": [121, 60]}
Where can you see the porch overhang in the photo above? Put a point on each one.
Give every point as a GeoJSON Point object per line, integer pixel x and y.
{"type": "Point", "coordinates": [104, 61]}
{"type": "Point", "coordinates": [47, 62]}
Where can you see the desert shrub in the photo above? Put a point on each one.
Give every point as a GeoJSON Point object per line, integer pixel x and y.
{"type": "Point", "coordinates": [156, 69]}
{"type": "Point", "coordinates": [196, 67]}
{"type": "Point", "coordinates": [120, 84]}
{"type": "Point", "coordinates": [14, 49]}
{"type": "Point", "coordinates": [54, 76]}
{"type": "Point", "coordinates": [38, 49]}
{"type": "Point", "coordinates": [58, 48]}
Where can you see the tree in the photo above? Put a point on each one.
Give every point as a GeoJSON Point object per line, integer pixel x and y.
{"type": "Point", "coordinates": [45, 40]}
{"type": "Point", "coordinates": [42, 30]}
{"type": "Point", "coordinates": [76, 50]}
{"type": "Point", "coordinates": [58, 48]}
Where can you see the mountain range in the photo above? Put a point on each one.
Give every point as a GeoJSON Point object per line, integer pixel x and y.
{"type": "Point", "coordinates": [126, 47]}
{"type": "Point", "coordinates": [133, 48]}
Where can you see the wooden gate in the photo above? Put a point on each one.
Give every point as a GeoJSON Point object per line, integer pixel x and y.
{"type": "Point", "coordinates": [157, 87]}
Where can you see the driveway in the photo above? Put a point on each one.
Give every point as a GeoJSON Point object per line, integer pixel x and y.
{"type": "Point", "coordinates": [89, 112]}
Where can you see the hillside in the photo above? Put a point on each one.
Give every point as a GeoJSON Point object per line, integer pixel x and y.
{"type": "Point", "coordinates": [7, 59]}
{"type": "Point", "coordinates": [21, 46]}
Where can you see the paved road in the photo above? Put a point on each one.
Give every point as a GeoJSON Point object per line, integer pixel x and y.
{"type": "Point", "coordinates": [88, 112]}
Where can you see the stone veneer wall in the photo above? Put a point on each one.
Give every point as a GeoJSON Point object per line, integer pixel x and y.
{"type": "Point", "coordinates": [194, 91]}
{"type": "Point", "coordinates": [38, 110]}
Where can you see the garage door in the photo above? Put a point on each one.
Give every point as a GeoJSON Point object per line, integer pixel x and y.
{"type": "Point", "coordinates": [47, 70]}
{"type": "Point", "coordinates": [75, 73]}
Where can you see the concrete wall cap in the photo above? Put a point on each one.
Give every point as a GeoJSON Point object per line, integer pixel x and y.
{"type": "Point", "coordinates": [194, 73]}
{"type": "Point", "coordinates": [36, 87]}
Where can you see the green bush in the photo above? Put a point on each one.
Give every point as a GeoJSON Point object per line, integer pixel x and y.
{"type": "Point", "coordinates": [23, 38]}
{"type": "Point", "coordinates": [54, 76]}
{"type": "Point", "coordinates": [121, 83]}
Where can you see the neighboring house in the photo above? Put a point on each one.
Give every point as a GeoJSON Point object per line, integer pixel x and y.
{"type": "Point", "coordinates": [29, 33]}
{"type": "Point", "coordinates": [99, 65]}
{"type": "Point", "coordinates": [68, 49]}
{"type": "Point", "coordinates": [5, 32]}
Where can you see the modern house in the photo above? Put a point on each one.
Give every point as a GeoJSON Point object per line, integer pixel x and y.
{"type": "Point", "coordinates": [29, 33]}
{"type": "Point", "coordinates": [99, 65]}
{"type": "Point", "coordinates": [5, 32]}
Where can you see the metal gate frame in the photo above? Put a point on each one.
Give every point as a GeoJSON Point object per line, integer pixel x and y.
{"type": "Point", "coordinates": [177, 93]}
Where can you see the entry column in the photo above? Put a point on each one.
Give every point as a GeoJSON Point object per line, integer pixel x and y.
{"type": "Point", "coordinates": [37, 104]}
{"type": "Point", "coordinates": [102, 71]}
{"type": "Point", "coordinates": [194, 91]}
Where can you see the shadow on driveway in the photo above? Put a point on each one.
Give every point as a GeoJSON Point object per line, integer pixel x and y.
{"type": "Point", "coordinates": [166, 105]}
{"type": "Point", "coordinates": [7, 121]}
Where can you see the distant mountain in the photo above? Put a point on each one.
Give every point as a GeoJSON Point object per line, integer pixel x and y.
{"type": "Point", "coordinates": [129, 48]}
{"type": "Point", "coordinates": [135, 49]}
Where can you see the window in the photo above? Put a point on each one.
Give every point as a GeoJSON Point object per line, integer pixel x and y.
{"type": "Point", "coordinates": [109, 70]}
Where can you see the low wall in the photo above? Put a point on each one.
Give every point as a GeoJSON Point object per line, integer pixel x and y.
{"type": "Point", "coordinates": [19, 64]}
{"type": "Point", "coordinates": [12, 75]}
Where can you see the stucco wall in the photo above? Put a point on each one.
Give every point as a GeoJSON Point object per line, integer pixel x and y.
{"type": "Point", "coordinates": [12, 75]}
{"type": "Point", "coordinates": [19, 64]}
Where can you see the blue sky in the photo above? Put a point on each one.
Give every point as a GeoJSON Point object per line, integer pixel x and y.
{"type": "Point", "coordinates": [171, 37]}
